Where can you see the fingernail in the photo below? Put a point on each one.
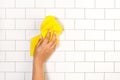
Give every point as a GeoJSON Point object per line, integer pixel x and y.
{"type": "Point", "coordinates": [49, 30]}
{"type": "Point", "coordinates": [55, 33]}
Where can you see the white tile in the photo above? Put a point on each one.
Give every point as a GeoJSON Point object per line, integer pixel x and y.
{"type": "Point", "coordinates": [104, 45]}
{"type": "Point", "coordinates": [104, 3]}
{"type": "Point", "coordinates": [15, 34]}
{"type": "Point", "coordinates": [117, 24]}
{"type": "Point", "coordinates": [15, 56]}
{"type": "Point", "coordinates": [112, 35]}
{"type": "Point", "coordinates": [94, 13]}
{"type": "Point", "coordinates": [62, 35]}
{"type": "Point", "coordinates": [84, 45]}
{"type": "Point", "coordinates": [58, 13]}
{"type": "Point", "coordinates": [112, 14]}
{"type": "Point", "coordinates": [94, 76]}
{"type": "Point", "coordinates": [94, 35]}
{"type": "Point", "coordinates": [65, 46]}
{"type": "Point", "coordinates": [54, 76]}
{"type": "Point", "coordinates": [2, 13]}
{"type": "Point", "coordinates": [49, 67]}
{"type": "Point", "coordinates": [7, 66]}
{"type": "Point", "coordinates": [94, 56]}
{"type": "Point", "coordinates": [85, 4]}
{"type": "Point", "coordinates": [2, 76]}
{"type": "Point", "coordinates": [22, 45]}
{"type": "Point", "coordinates": [74, 76]}
{"type": "Point", "coordinates": [24, 66]}
{"type": "Point", "coordinates": [15, 13]}
{"type": "Point", "coordinates": [117, 45]}
{"type": "Point", "coordinates": [25, 24]}
{"type": "Point", "coordinates": [7, 3]}
{"type": "Point", "coordinates": [64, 67]}
{"type": "Point", "coordinates": [28, 57]}
{"type": "Point", "coordinates": [28, 76]}
{"type": "Point", "coordinates": [74, 35]}
{"type": "Point", "coordinates": [38, 23]}
{"type": "Point", "coordinates": [64, 3]}
{"type": "Point", "coordinates": [84, 24]}
{"type": "Point", "coordinates": [35, 13]}
{"type": "Point", "coordinates": [2, 34]}
{"type": "Point", "coordinates": [104, 67]}
{"type": "Point", "coordinates": [74, 13]}
{"type": "Point", "coordinates": [44, 3]}
{"type": "Point", "coordinates": [24, 3]}
{"type": "Point", "coordinates": [104, 24]}
{"type": "Point", "coordinates": [7, 45]}
{"type": "Point", "coordinates": [14, 76]}
{"type": "Point", "coordinates": [74, 56]}
{"type": "Point", "coordinates": [2, 56]}
{"type": "Point", "coordinates": [7, 24]}
{"type": "Point", "coordinates": [112, 76]}
{"type": "Point", "coordinates": [117, 67]}
{"type": "Point", "coordinates": [117, 3]}
{"type": "Point", "coordinates": [112, 56]}
{"type": "Point", "coordinates": [83, 67]}
{"type": "Point", "coordinates": [31, 33]}
{"type": "Point", "coordinates": [57, 56]}
{"type": "Point", "coordinates": [67, 23]}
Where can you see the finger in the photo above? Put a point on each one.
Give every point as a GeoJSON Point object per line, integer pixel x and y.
{"type": "Point", "coordinates": [53, 39]}
{"type": "Point", "coordinates": [54, 45]}
{"type": "Point", "coordinates": [47, 37]}
{"type": "Point", "coordinates": [39, 41]}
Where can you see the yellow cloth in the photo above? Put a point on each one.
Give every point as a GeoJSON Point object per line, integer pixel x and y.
{"type": "Point", "coordinates": [49, 23]}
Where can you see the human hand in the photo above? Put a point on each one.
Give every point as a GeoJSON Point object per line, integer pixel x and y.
{"type": "Point", "coordinates": [44, 48]}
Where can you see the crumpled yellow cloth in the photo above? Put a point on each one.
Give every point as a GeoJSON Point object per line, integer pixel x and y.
{"type": "Point", "coordinates": [49, 23]}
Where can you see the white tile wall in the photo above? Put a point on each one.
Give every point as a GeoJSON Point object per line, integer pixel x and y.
{"type": "Point", "coordinates": [89, 46]}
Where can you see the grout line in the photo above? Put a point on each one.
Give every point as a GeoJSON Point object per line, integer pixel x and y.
{"type": "Point", "coordinates": [84, 75]}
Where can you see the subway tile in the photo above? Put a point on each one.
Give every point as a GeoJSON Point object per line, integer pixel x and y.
{"type": "Point", "coordinates": [74, 13]}
{"type": "Point", "coordinates": [15, 56]}
{"type": "Point", "coordinates": [23, 67]}
{"type": "Point", "coordinates": [104, 45]}
{"type": "Point", "coordinates": [83, 67]}
{"type": "Point", "coordinates": [94, 35]}
{"type": "Point", "coordinates": [74, 35]}
{"type": "Point", "coordinates": [84, 24]}
{"type": "Point", "coordinates": [58, 13]}
{"type": "Point", "coordinates": [85, 4]}
{"type": "Point", "coordinates": [94, 13]}
{"type": "Point", "coordinates": [64, 67]}
{"type": "Point", "coordinates": [15, 13]}
{"type": "Point", "coordinates": [72, 76]}
{"type": "Point", "coordinates": [104, 67]}
{"type": "Point", "coordinates": [24, 3]}
{"type": "Point", "coordinates": [35, 13]}
{"type": "Point", "coordinates": [7, 45]}
{"type": "Point", "coordinates": [112, 14]}
{"type": "Point", "coordinates": [94, 56]}
{"type": "Point", "coordinates": [15, 34]}
{"type": "Point", "coordinates": [7, 66]}
{"type": "Point", "coordinates": [44, 3]}
{"type": "Point", "coordinates": [104, 3]}
{"type": "Point", "coordinates": [14, 76]}
{"type": "Point", "coordinates": [84, 45]}
{"type": "Point", "coordinates": [64, 3]}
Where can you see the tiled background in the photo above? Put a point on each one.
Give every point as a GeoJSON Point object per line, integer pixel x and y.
{"type": "Point", "coordinates": [89, 45]}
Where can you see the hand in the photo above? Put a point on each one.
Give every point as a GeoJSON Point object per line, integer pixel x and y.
{"type": "Point", "coordinates": [44, 48]}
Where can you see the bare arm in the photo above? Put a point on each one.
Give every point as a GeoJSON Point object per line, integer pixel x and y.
{"type": "Point", "coordinates": [43, 50]}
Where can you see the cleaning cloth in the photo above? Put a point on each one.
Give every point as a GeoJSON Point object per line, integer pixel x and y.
{"type": "Point", "coordinates": [49, 23]}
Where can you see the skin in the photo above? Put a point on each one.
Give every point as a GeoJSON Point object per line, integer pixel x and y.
{"type": "Point", "coordinates": [42, 52]}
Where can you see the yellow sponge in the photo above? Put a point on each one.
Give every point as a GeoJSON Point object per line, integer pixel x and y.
{"type": "Point", "coordinates": [49, 23]}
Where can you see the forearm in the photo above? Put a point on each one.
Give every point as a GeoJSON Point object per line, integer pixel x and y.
{"type": "Point", "coordinates": [38, 71]}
